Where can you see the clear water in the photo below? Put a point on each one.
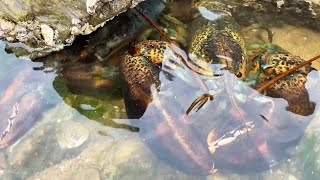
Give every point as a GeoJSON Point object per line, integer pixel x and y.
{"type": "Point", "coordinates": [71, 133]}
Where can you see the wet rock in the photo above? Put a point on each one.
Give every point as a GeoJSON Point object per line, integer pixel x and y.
{"type": "Point", "coordinates": [44, 30]}
{"type": "Point", "coordinates": [61, 146]}
{"type": "Point", "coordinates": [84, 163]}
{"type": "Point", "coordinates": [222, 176]}
{"type": "Point", "coordinates": [299, 41]}
{"type": "Point", "coordinates": [39, 148]}
{"type": "Point", "coordinates": [22, 102]}
{"type": "Point", "coordinates": [3, 165]}
{"type": "Point", "coordinates": [89, 173]}
{"type": "Point", "coordinates": [92, 161]}
{"type": "Point", "coordinates": [31, 144]}
{"type": "Point", "coordinates": [20, 122]}
{"type": "Point", "coordinates": [21, 152]}
{"type": "Point", "coordinates": [130, 159]}
{"type": "Point", "coordinates": [112, 159]}
{"type": "Point", "coordinates": [49, 25]}
{"type": "Point", "coordinates": [48, 34]}
{"type": "Point", "coordinates": [296, 12]}
{"type": "Point", "coordinates": [292, 177]}
{"type": "Point", "coordinates": [71, 134]}
{"type": "Point", "coordinates": [309, 156]}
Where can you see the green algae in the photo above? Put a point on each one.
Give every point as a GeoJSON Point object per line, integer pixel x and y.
{"type": "Point", "coordinates": [105, 108]}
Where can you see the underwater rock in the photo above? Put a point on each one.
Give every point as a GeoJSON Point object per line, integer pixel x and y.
{"type": "Point", "coordinates": [71, 135]}
{"type": "Point", "coordinates": [45, 26]}
{"type": "Point", "coordinates": [298, 41]}
{"type": "Point", "coordinates": [112, 159]}
{"type": "Point", "coordinates": [33, 143]}
{"type": "Point", "coordinates": [296, 12]}
{"type": "Point", "coordinates": [3, 165]}
{"type": "Point", "coordinates": [24, 114]}
{"type": "Point", "coordinates": [88, 163]}
{"type": "Point", "coordinates": [309, 155]}
{"type": "Point", "coordinates": [39, 148]}
{"type": "Point", "coordinates": [21, 104]}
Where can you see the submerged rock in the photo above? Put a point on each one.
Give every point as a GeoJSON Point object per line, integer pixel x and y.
{"type": "Point", "coordinates": [309, 155]}
{"type": "Point", "coordinates": [71, 134]}
{"type": "Point", "coordinates": [42, 147]}
{"type": "Point", "coordinates": [296, 12]}
{"type": "Point", "coordinates": [112, 159]}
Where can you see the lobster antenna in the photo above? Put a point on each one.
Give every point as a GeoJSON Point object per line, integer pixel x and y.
{"type": "Point", "coordinates": [153, 25]}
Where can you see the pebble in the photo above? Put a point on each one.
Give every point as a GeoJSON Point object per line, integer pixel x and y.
{"type": "Point", "coordinates": [48, 34]}
{"type": "Point", "coordinates": [87, 107]}
{"type": "Point", "coordinates": [71, 135]}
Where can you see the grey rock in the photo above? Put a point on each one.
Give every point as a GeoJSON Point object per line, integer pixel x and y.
{"type": "Point", "coordinates": [296, 12]}
{"type": "Point", "coordinates": [45, 26]}
{"type": "Point", "coordinates": [36, 28]}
